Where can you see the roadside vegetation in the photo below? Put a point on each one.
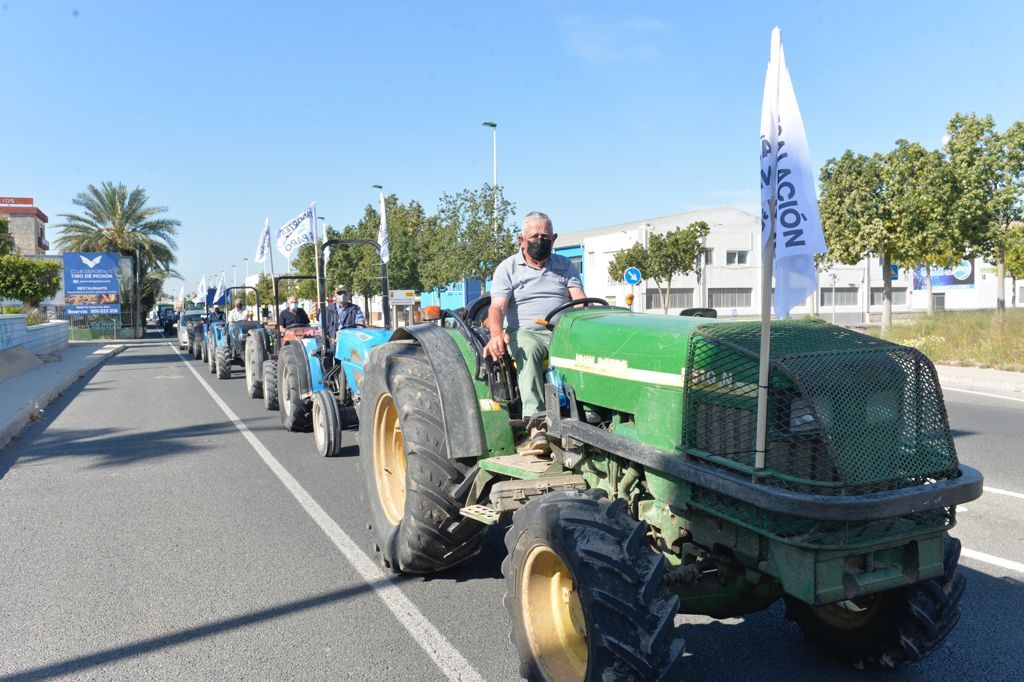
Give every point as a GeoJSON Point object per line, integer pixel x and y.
{"type": "Point", "coordinates": [982, 338]}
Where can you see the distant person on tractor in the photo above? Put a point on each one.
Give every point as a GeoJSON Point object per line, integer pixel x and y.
{"type": "Point", "coordinates": [293, 315]}
{"type": "Point", "coordinates": [526, 286]}
{"type": "Point", "coordinates": [343, 313]}
{"type": "Point", "coordinates": [217, 315]}
{"type": "Point", "coordinates": [238, 313]}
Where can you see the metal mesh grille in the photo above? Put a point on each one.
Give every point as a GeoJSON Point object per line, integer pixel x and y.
{"type": "Point", "coordinates": [847, 413]}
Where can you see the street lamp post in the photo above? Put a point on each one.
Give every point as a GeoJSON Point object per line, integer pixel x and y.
{"type": "Point", "coordinates": [246, 271]}
{"type": "Point", "coordinates": [835, 277]}
{"type": "Point", "coordinates": [494, 165]}
{"type": "Point", "coordinates": [234, 275]}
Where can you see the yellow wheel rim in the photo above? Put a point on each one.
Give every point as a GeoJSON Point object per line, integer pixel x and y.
{"type": "Point", "coordinates": [389, 458]}
{"type": "Point", "coordinates": [553, 615]}
{"type": "Point", "coordinates": [850, 614]}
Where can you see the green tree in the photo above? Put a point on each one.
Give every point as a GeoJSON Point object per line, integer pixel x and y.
{"type": "Point", "coordinates": [891, 205]}
{"type": "Point", "coordinates": [472, 233]}
{"type": "Point", "coordinates": [118, 220]}
{"type": "Point", "coordinates": [6, 238]}
{"type": "Point", "coordinates": [988, 167]}
{"type": "Point", "coordinates": [1015, 256]}
{"type": "Point", "coordinates": [678, 252]}
{"type": "Point", "coordinates": [28, 280]}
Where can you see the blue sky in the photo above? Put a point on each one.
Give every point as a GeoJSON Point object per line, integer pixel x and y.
{"type": "Point", "coordinates": [607, 112]}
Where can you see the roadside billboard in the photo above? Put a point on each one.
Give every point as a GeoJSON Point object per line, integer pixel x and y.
{"type": "Point", "coordinates": [91, 286]}
{"type": "Point", "coordinates": [960, 276]}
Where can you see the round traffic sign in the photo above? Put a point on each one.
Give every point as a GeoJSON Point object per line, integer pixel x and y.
{"type": "Point", "coordinates": [632, 276]}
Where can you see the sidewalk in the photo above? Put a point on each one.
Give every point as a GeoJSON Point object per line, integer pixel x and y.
{"type": "Point", "coordinates": [980, 378]}
{"type": "Point", "coordinates": [23, 397]}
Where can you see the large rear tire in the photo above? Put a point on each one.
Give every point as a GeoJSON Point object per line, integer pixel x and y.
{"type": "Point", "coordinates": [197, 349]}
{"type": "Point", "coordinates": [270, 385]}
{"type": "Point", "coordinates": [891, 628]}
{"type": "Point", "coordinates": [585, 593]}
{"type": "Point", "coordinates": [415, 491]}
{"type": "Point", "coordinates": [223, 357]}
{"type": "Point", "coordinates": [326, 424]}
{"type": "Point", "coordinates": [254, 365]}
{"type": "Point", "coordinates": [295, 412]}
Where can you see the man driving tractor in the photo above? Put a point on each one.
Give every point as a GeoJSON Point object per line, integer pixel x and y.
{"type": "Point", "coordinates": [526, 286]}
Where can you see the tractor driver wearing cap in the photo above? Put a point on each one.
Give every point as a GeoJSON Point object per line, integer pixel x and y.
{"type": "Point", "coordinates": [526, 286]}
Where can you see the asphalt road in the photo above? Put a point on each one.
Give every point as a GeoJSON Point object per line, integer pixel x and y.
{"type": "Point", "coordinates": [144, 536]}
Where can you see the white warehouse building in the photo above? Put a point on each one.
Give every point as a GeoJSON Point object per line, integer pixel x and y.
{"type": "Point", "coordinates": [732, 277]}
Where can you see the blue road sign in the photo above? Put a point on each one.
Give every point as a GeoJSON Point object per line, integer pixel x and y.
{"type": "Point", "coordinates": [632, 276]}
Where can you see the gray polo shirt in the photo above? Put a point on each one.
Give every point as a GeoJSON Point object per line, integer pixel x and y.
{"type": "Point", "coordinates": [533, 292]}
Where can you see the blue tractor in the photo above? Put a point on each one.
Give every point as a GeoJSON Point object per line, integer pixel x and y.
{"type": "Point", "coordinates": [227, 341]}
{"type": "Point", "coordinates": [335, 391]}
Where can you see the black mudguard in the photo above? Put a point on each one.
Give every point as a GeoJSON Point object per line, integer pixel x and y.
{"type": "Point", "coordinates": [460, 409]}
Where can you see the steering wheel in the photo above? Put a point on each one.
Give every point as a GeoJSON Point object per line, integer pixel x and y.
{"type": "Point", "coordinates": [551, 318]}
{"type": "Point", "coordinates": [297, 326]}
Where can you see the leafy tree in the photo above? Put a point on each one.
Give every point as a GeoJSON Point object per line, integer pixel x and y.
{"type": "Point", "coordinates": [1015, 256]}
{"type": "Point", "coordinates": [472, 233]}
{"type": "Point", "coordinates": [6, 238]}
{"type": "Point", "coordinates": [891, 205]}
{"type": "Point", "coordinates": [988, 167]}
{"type": "Point", "coordinates": [118, 220]}
{"type": "Point", "coordinates": [28, 280]}
{"type": "Point", "coordinates": [678, 252]}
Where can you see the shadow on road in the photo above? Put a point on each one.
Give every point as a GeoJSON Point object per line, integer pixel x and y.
{"type": "Point", "coordinates": [983, 638]}
{"type": "Point", "coordinates": [99, 658]}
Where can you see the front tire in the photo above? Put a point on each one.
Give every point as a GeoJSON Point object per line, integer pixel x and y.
{"type": "Point", "coordinates": [254, 365]}
{"type": "Point", "coordinates": [270, 385]}
{"type": "Point", "coordinates": [888, 629]}
{"type": "Point", "coordinates": [295, 412]}
{"type": "Point", "coordinates": [211, 355]}
{"type": "Point", "coordinates": [585, 593]}
{"type": "Point", "coordinates": [326, 424]}
{"type": "Point", "coordinates": [415, 491]}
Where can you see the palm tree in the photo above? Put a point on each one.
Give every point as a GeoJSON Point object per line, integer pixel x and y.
{"type": "Point", "coordinates": [119, 221]}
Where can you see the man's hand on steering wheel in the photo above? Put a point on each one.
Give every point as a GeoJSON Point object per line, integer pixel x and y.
{"type": "Point", "coordinates": [495, 347]}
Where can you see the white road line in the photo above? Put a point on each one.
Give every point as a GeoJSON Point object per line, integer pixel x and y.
{"type": "Point", "coordinates": [987, 395]}
{"type": "Point", "coordinates": [994, 560]}
{"type": "Point", "coordinates": [445, 656]}
{"type": "Point", "coordinates": [1000, 491]}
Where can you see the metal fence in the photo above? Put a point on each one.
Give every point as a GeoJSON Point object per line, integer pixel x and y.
{"type": "Point", "coordinates": [88, 327]}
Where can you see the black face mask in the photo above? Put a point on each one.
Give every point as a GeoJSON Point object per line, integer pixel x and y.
{"type": "Point", "coordinates": [538, 249]}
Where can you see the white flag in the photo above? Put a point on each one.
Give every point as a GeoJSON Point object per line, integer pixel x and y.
{"type": "Point", "coordinates": [263, 248]}
{"type": "Point", "coordinates": [218, 296]}
{"type": "Point", "coordinates": [788, 177]}
{"type": "Point", "coordinates": [296, 232]}
{"type": "Point", "coordinates": [181, 295]}
{"type": "Point", "coordinates": [382, 234]}
{"type": "Point", "coordinates": [200, 291]}
{"type": "Point", "coordinates": [327, 256]}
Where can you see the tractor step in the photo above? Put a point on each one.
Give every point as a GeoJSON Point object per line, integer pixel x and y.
{"type": "Point", "coordinates": [482, 513]}
{"type": "Point", "coordinates": [521, 466]}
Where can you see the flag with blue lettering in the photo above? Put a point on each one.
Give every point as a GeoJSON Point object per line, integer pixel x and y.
{"type": "Point", "coordinates": [296, 232]}
{"type": "Point", "coordinates": [787, 188]}
{"type": "Point", "coordinates": [263, 248]}
{"type": "Point", "coordinates": [382, 233]}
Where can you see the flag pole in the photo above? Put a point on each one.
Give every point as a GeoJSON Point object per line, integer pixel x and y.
{"type": "Point", "coordinates": [321, 304]}
{"type": "Point", "coordinates": [273, 285]}
{"type": "Point", "coordinates": [760, 446]}
{"type": "Point", "coordinates": [767, 263]}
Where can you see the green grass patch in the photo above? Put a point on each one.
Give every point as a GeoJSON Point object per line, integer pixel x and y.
{"type": "Point", "coordinates": [982, 338]}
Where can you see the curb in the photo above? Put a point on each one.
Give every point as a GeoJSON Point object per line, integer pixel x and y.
{"type": "Point", "coordinates": [979, 383]}
{"type": "Point", "coordinates": [37, 403]}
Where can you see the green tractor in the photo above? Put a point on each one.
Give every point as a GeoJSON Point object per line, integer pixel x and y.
{"type": "Point", "coordinates": [650, 503]}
